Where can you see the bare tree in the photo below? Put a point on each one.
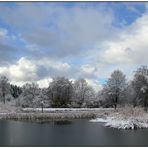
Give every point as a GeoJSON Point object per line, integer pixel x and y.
{"type": "Point", "coordinates": [115, 87]}
{"type": "Point", "coordinates": [60, 92]}
{"type": "Point", "coordinates": [82, 92]}
{"type": "Point", "coordinates": [130, 94]}
{"type": "Point", "coordinates": [29, 94]}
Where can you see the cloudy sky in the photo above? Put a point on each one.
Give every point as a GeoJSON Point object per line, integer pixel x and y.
{"type": "Point", "coordinates": [88, 40]}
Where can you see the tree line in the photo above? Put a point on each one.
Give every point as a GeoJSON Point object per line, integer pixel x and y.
{"type": "Point", "coordinates": [62, 92]}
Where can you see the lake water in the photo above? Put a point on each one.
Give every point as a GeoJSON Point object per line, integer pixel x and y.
{"type": "Point", "coordinates": [68, 133]}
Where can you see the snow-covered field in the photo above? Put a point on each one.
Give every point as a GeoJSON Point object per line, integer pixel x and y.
{"type": "Point", "coordinates": [126, 118]}
{"type": "Point", "coordinates": [8, 108]}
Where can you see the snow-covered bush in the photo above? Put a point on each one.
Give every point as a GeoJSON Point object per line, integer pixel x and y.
{"type": "Point", "coordinates": [129, 111]}
{"type": "Point", "coordinates": [126, 118]}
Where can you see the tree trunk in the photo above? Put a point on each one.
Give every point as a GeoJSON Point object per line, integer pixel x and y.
{"type": "Point", "coordinates": [4, 97]}
{"type": "Point", "coordinates": [42, 107]}
{"type": "Point", "coordinates": [115, 106]}
{"type": "Point", "coordinates": [116, 100]}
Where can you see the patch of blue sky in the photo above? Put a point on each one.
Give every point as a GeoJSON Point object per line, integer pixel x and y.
{"type": "Point", "coordinates": [11, 30]}
{"type": "Point", "coordinates": [126, 13]}
{"type": "Point", "coordinates": [8, 4]}
{"type": "Point", "coordinates": [81, 4]}
{"type": "Point", "coordinates": [102, 81]}
{"type": "Point", "coordinates": [69, 4]}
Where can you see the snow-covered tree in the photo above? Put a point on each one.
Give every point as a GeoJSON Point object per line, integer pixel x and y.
{"type": "Point", "coordinates": [130, 97]}
{"type": "Point", "coordinates": [140, 86]}
{"type": "Point", "coordinates": [115, 88]}
{"type": "Point", "coordinates": [4, 88]}
{"type": "Point", "coordinates": [83, 93]}
{"type": "Point", "coordinates": [29, 94]}
{"type": "Point", "coordinates": [105, 98]}
{"type": "Point", "coordinates": [60, 92]}
{"type": "Point", "coordinates": [41, 98]}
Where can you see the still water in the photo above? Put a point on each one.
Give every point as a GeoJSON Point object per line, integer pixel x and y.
{"type": "Point", "coordinates": [68, 133]}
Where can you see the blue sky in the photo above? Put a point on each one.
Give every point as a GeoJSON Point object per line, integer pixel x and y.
{"type": "Point", "coordinates": [88, 40]}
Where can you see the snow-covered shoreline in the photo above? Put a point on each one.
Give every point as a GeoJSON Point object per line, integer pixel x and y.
{"type": "Point", "coordinates": [122, 118]}
{"type": "Point", "coordinates": [53, 113]}
{"type": "Point", "coordinates": [64, 109]}
{"type": "Point", "coordinates": [127, 118]}
{"type": "Point", "coordinates": [46, 116]}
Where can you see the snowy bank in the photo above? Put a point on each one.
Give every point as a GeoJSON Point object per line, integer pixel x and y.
{"type": "Point", "coordinates": [99, 120]}
{"type": "Point", "coordinates": [55, 113]}
{"type": "Point", "coordinates": [46, 116]}
{"type": "Point", "coordinates": [65, 109]}
{"type": "Point", "coordinates": [126, 118]}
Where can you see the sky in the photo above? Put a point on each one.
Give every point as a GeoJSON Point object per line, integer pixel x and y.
{"type": "Point", "coordinates": [42, 40]}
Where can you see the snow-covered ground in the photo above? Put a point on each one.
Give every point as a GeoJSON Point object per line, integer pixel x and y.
{"type": "Point", "coordinates": [126, 118]}
{"type": "Point", "coordinates": [8, 108]}
{"type": "Point", "coordinates": [65, 109]}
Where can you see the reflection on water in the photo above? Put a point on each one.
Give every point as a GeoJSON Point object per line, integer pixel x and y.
{"type": "Point", "coordinates": [68, 133]}
{"type": "Point", "coordinates": [54, 122]}
{"type": "Point", "coordinates": [62, 122]}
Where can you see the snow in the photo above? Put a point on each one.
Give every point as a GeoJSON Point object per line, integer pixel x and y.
{"type": "Point", "coordinates": [46, 116]}
{"type": "Point", "coordinates": [131, 123]}
{"type": "Point", "coordinates": [125, 119]}
{"type": "Point", "coordinates": [7, 111]}
{"type": "Point", "coordinates": [98, 120]}
{"type": "Point", "coordinates": [66, 109]}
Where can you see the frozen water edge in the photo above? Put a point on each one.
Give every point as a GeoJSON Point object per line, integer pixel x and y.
{"type": "Point", "coordinates": [131, 123]}
{"type": "Point", "coordinates": [122, 123]}
{"type": "Point", "coordinates": [124, 120]}
{"type": "Point", "coordinates": [99, 120]}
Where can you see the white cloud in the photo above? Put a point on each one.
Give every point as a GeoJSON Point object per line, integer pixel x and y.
{"type": "Point", "coordinates": [76, 34]}
{"type": "Point", "coordinates": [44, 83]}
{"type": "Point", "coordinates": [70, 33]}
{"type": "Point", "coordinates": [23, 70]}
{"type": "Point", "coordinates": [131, 47]}
{"type": "Point", "coordinates": [26, 70]}
{"type": "Point", "coordinates": [3, 32]}
{"type": "Point", "coordinates": [53, 64]}
{"type": "Point", "coordinates": [127, 52]}
{"type": "Point", "coordinates": [95, 84]}
{"type": "Point", "coordinates": [88, 68]}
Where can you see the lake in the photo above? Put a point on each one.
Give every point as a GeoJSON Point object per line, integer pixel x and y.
{"type": "Point", "coordinates": [68, 133]}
